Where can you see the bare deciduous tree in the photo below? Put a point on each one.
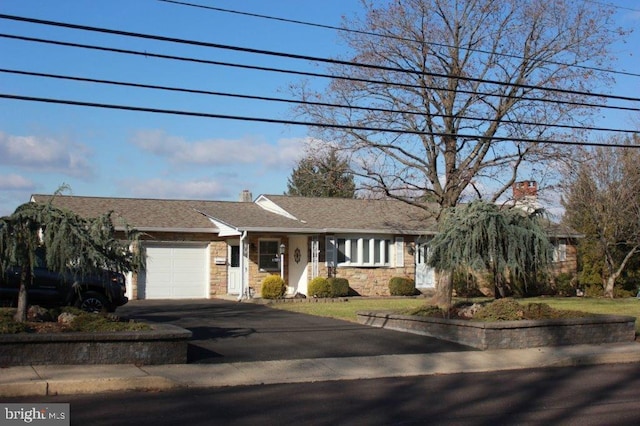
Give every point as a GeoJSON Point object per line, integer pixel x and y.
{"type": "Point", "coordinates": [602, 200]}
{"type": "Point", "coordinates": [462, 88]}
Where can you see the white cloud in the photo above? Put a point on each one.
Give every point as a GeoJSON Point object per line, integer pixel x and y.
{"type": "Point", "coordinates": [172, 189]}
{"type": "Point", "coordinates": [13, 182]}
{"type": "Point", "coordinates": [44, 154]}
{"type": "Point", "coordinates": [212, 152]}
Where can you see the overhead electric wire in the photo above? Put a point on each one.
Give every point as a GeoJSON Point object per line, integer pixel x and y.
{"type": "Point", "coordinates": [404, 39]}
{"type": "Point", "coordinates": [302, 57]}
{"type": "Point", "coordinates": [310, 74]}
{"type": "Point", "coordinates": [295, 101]}
{"type": "Point", "coordinates": [305, 123]}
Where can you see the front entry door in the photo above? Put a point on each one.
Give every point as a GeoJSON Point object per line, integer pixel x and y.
{"type": "Point", "coordinates": [234, 273]}
{"type": "Point", "coordinates": [298, 263]}
{"type": "Point", "coordinates": [425, 276]}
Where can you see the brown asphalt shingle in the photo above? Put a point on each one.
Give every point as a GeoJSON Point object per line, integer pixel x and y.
{"type": "Point", "coordinates": [312, 214]}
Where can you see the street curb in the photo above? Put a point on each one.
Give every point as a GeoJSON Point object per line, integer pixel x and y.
{"type": "Point", "coordinates": [91, 386]}
{"type": "Point", "coordinates": [76, 380]}
{"type": "Point", "coordinates": [20, 389]}
{"type": "Point", "coordinates": [112, 384]}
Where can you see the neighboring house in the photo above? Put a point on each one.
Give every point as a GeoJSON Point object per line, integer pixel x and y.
{"type": "Point", "coordinates": [201, 249]}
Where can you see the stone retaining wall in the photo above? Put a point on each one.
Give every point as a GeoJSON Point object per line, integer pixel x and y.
{"type": "Point", "coordinates": [164, 344]}
{"type": "Point", "coordinates": [511, 334]}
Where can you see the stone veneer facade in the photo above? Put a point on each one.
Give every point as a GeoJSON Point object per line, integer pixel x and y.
{"type": "Point", "coordinates": [365, 281]}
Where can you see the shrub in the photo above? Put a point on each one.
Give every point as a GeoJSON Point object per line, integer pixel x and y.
{"type": "Point", "coordinates": [273, 287]}
{"type": "Point", "coordinates": [97, 322]}
{"type": "Point", "coordinates": [564, 284]}
{"type": "Point", "coordinates": [8, 325]}
{"type": "Point", "coordinates": [466, 284]}
{"type": "Point", "coordinates": [501, 310]}
{"type": "Point", "coordinates": [593, 290]}
{"type": "Point", "coordinates": [338, 287]}
{"type": "Point", "coordinates": [426, 311]}
{"type": "Point", "coordinates": [510, 310]}
{"type": "Point", "coordinates": [319, 287]}
{"type": "Point", "coordinates": [402, 286]}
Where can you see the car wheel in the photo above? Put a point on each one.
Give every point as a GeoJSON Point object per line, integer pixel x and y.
{"type": "Point", "coordinates": [92, 302]}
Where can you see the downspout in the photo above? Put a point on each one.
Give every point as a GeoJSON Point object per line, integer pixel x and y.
{"type": "Point", "coordinates": [242, 265]}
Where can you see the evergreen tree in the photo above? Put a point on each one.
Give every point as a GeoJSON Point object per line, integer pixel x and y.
{"type": "Point", "coordinates": [71, 243]}
{"type": "Point", "coordinates": [483, 237]}
{"type": "Point", "coordinates": [322, 176]}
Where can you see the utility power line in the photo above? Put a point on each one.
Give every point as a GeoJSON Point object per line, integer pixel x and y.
{"type": "Point", "coordinates": [303, 57]}
{"type": "Point", "coordinates": [295, 101]}
{"type": "Point", "coordinates": [304, 123]}
{"type": "Point", "coordinates": [149, 54]}
{"type": "Point", "coordinates": [374, 34]}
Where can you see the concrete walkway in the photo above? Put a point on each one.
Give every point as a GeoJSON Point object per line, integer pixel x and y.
{"type": "Point", "coordinates": [64, 380]}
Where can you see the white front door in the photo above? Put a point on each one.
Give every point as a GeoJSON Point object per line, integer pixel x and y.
{"type": "Point", "coordinates": [425, 276]}
{"type": "Point", "coordinates": [298, 263]}
{"type": "Point", "coordinates": [234, 273]}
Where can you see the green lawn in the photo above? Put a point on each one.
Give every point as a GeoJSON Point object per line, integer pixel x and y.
{"type": "Point", "coordinates": [347, 310]}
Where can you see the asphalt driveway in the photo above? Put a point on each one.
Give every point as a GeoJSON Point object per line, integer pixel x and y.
{"type": "Point", "coordinates": [228, 331]}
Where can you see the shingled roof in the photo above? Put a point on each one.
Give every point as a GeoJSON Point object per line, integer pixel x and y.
{"type": "Point", "coordinates": [140, 213]}
{"type": "Point", "coordinates": [356, 215]}
{"type": "Point", "coordinates": [294, 214]}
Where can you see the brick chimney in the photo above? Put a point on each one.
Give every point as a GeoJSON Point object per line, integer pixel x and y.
{"type": "Point", "coordinates": [526, 189]}
{"type": "Point", "coordinates": [246, 196]}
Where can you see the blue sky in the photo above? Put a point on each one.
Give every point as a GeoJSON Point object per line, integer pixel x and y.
{"type": "Point", "coordinates": [103, 152]}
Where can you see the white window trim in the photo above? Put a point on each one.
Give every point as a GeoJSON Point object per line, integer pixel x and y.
{"type": "Point", "coordinates": [394, 257]}
{"type": "Point", "coordinates": [560, 252]}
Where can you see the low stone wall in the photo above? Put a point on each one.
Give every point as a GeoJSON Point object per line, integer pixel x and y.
{"type": "Point", "coordinates": [511, 334]}
{"type": "Point", "coordinates": [163, 344]}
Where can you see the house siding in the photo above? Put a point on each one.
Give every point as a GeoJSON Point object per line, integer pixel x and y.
{"type": "Point", "coordinates": [570, 264]}
{"type": "Point", "coordinates": [218, 274]}
{"type": "Point", "coordinates": [369, 281]}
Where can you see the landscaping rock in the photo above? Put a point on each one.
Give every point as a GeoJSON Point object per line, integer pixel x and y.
{"type": "Point", "coordinates": [38, 313]}
{"type": "Point", "coordinates": [66, 318]}
{"type": "Point", "coordinates": [468, 312]}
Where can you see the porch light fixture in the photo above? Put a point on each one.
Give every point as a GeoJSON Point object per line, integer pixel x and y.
{"type": "Point", "coordinates": [282, 248]}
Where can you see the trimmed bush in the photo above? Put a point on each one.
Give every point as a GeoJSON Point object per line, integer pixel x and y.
{"type": "Point", "coordinates": [319, 287]}
{"type": "Point", "coordinates": [273, 287]}
{"type": "Point", "coordinates": [338, 287]}
{"type": "Point", "coordinates": [402, 286]}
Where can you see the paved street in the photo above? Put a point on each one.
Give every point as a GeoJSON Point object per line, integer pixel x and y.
{"type": "Point", "coordinates": [595, 395]}
{"type": "Point", "coordinates": [228, 331]}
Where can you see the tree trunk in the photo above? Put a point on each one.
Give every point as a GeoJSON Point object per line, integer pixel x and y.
{"type": "Point", "coordinates": [499, 286]}
{"type": "Point", "coordinates": [21, 312]}
{"type": "Point", "coordinates": [444, 289]}
{"type": "Point", "coordinates": [608, 286]}
{"type": "Point", "coordinates": [613, 276]}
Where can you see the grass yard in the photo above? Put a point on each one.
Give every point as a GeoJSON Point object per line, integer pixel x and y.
{"type": "Point", "coordinates": [347, 310]}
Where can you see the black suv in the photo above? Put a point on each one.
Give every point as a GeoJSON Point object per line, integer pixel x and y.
{"type": "Point", "coordinates": [97, 292]}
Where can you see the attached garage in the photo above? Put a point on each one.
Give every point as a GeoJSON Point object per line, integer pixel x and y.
{"type": "Point", "coordinates": [175, 271]}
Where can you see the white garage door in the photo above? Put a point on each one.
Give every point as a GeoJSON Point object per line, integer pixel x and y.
{"type": "Point", "coordinates": [174, 271]}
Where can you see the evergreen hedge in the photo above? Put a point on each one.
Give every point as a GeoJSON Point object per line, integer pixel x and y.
{"type": "Point", "coordinates": [328, 287]}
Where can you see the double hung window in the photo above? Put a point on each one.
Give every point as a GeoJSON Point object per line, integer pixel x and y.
{"type": "Point", "coordinates": [268, 256]}
{"type": "Point", "coordinates": [360, 251]}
